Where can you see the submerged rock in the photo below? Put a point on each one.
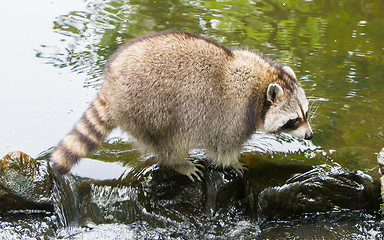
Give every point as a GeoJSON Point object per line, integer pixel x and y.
{"type": "Point", "coordinates": [322, 189]}
{"type": "Point", "coordinates": [269, 190]}
{"type": "Point", "coordinates": [25, 183]}
{"type": "Point", "coordinates": [27, 225]}
{"type": "Point", "coordinates": [147, 200]}
{"type": "Point", "coordinates": [160, 197]}
{"type": "Point", "coordinates": [101, 232]}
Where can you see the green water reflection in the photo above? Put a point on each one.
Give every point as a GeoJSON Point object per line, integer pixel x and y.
{"type": "Point", "coordinates": [334, 46]}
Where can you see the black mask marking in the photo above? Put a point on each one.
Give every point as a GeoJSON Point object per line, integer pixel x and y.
{"type": "Point", "coordinates": [292, 124]}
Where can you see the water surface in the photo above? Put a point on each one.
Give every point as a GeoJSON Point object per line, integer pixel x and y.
{"type": "Point", "coordinates": [334, 47]}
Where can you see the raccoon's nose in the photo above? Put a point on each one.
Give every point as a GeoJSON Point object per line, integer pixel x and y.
{"type": "Point", "coordinates": [308, 136]}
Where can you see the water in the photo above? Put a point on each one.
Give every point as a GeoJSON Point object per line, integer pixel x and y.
{"type": "Point", "coordinates": [335, 49]}
{"type": "Point", "coordinates": [53, 59]}
{"type": "Point", "coordinates": [39, 103]}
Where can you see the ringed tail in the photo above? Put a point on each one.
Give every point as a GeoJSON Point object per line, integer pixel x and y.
{"type": "Point", "coordinates": [87, 135]}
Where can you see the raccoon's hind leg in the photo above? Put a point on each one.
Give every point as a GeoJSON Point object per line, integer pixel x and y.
{"type": "Point", "coordinates": [179, 161]}
{"type": "Point", "coordinates": [228, 159]}
{"type": "Point", "coordinates": [189, 168]}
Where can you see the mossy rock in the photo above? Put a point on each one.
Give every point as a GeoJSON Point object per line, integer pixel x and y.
{"type": "Point", "coordinates": [25, 183]}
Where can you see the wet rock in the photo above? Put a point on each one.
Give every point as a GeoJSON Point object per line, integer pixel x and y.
{"type": "Point", "coordinates": [27, 225]}
{"type": "Point", "coordinates": [322, 189]}
{"type": "Point", "coordinates": [380, 161]}
{"type": "Point", "coordinates": [342, 224]}
{"type": "Point", "coordinates": [148, 202]}
{"type": "Point", "coordinates": [269, 189]}
{"type": "Point", "coordinates": [160, 197]}
{"type": "Point", "coordinates": [101, 232]}
{"type": "Point", "coordinates": [25, 183]}
{"type": "Point", "coordinates": [112, 203]}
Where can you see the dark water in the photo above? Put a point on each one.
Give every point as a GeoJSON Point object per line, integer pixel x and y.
{"type": "Point", "coordinates": [336, 50]}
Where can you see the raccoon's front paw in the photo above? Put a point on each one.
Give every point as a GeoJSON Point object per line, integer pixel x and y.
{"type": "Point", "coordinates": [191, 169]}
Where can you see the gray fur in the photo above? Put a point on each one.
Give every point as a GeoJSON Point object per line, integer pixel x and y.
{"type": "Point", "coordinates": [174, 91]}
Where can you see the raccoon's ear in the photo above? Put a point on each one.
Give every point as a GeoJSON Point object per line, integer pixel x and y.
{"type": "Point", "coordinates": [289, 71]}
{"type": "Point", "coordinates": [274, 92]}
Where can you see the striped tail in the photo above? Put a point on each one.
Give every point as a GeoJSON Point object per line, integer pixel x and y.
{"type": "Point", "coordinates": [87, 135]}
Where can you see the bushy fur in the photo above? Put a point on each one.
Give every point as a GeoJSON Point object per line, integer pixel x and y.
{"type": "Point", "coordinates": [174, 91]}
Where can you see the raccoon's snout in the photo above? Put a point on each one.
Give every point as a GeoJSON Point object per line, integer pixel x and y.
{"type": "Point", "coordinates": [308, 136]}
{"type": "Point", "coordinates": [308, 133]}
{"type": "Point", "coordinates": [304, 132]}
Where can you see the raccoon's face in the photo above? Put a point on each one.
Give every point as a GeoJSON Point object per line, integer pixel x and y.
{"type": "Point", "coordinates": [288, 112]}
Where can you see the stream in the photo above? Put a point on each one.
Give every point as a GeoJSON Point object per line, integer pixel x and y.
{"type": "Point", "coordinates": [54, 52]}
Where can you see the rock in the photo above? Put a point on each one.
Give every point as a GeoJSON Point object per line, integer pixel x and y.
{"type": "Point", "coordinates": [268, 190]}
{"type": "Point", "coordinates": [101, 232]}
{"type": "Point", "coordinates": [108, 204]}
{"type": "Point", "coordinates": [324, 188]}
{"type": "Point", "coordinates": [161, 196]}
{"type": "Point", "coordinates": [380, 161]}
{"type": "Point", "coordinates": [28, 224]}
{"type": "Point", "coordinates": [25, 183]}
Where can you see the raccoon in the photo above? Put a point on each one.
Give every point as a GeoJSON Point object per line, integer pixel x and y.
{"type": "Point", "coordinates": [174, 91]}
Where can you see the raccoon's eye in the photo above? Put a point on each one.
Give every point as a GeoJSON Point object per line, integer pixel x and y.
{"type": "Point", "coordinates": [291, 124]}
